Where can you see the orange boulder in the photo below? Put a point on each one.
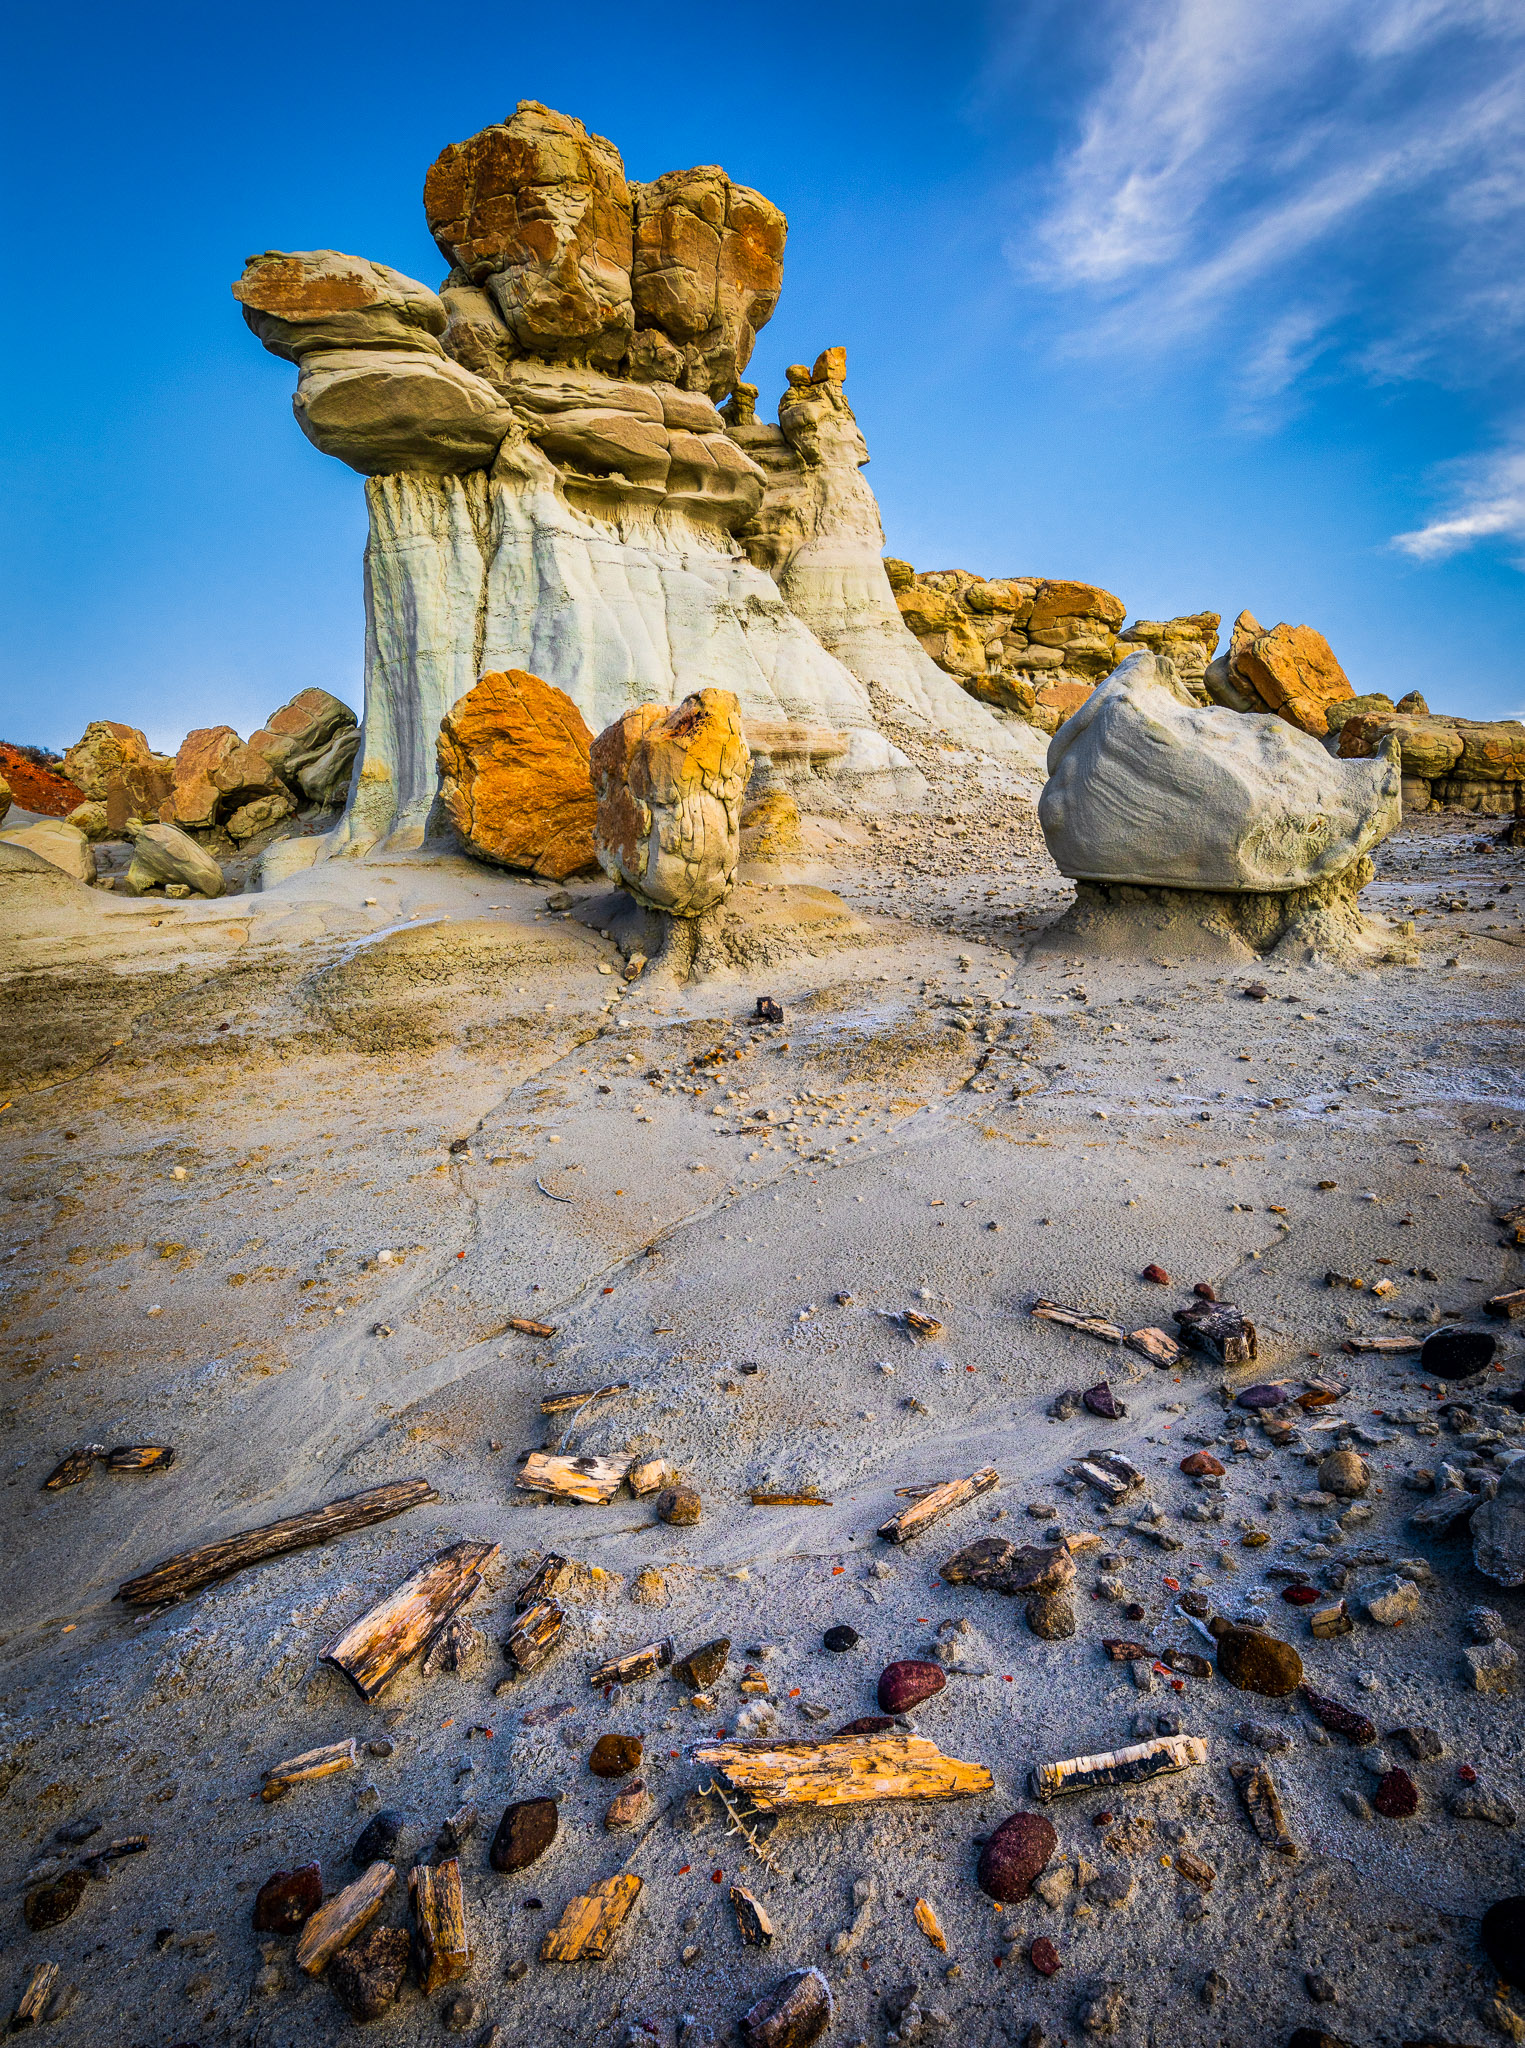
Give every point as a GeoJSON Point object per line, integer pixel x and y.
{"type": "Point", "coordinates": [670, 780]}
{"type": "Point", "coordinates": [513, 761]}
{"type": "Point", "coordinates": [1293, 671]}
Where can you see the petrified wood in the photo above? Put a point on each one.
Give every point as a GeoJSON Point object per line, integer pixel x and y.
{"type": "Point", "coordinates": [590, 1923]}
{"type": "Point", "coordinates": [842, 1771]}
{"type": "Point", "coordinates": [341, 1918]}
{"type": "Point", "coordinates": [441, 1951]}
{"type": "Point", "coordinates": [942, 1500]}
{"type": "Point", "coordinates": [596, 1480]}
{"type": "Point", "coordinates": [1134, 1765]}
{"type": "Point", "coordinates": [373, 1649]}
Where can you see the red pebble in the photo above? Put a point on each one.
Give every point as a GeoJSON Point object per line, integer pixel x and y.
{"type": "Point", "coordinates": [1157, 1274]}
{"type": "Point", "coordinates": [1299, 1596]}
{"type": "Point", "coordinates": [1202, 1465]}
{"type": "Point", "coordinates": [1397, 1796]}
{"type": "Point", "coordinates": [908, 1683]}
{"type": "Point", "coordinates": [1206, 1289]}
{"type": "Point", "coordinates": [1043, 1956]}
{"type": "Point", "coordinates": [1466, 1773]}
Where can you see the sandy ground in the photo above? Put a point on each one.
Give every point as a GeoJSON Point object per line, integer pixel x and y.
{"type": "Point", "coordinates": [217, 1115]}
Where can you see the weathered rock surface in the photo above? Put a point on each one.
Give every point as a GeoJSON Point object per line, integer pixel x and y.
{"type": "Point", "coordinates": [670, 783]}
{"type": "Point", "coordinates": [300, 302]}
{"type": "Point", "coordinates": [385, 410]}
{"type": "Point", "coordinates": [1498, 1530]}
{"type": "Point", "coordinates": [1146, 787]}
{"type": "Point", "coordinates": [707, 267]}
{"type": "Point", "coordinates": [515, 777]}
{"type": "Point", "coordinates": [257, 816]}
{"type": "Point", "coordinates": [1460, 764]}
{"type": "Point", "coordinates": [311, 742]}
{"type": "Point", "coordinates": [1189, 642]}
{"type": "Point", "coordinates": [1293, 671]}
{"type": "Point", "coordinates": [215, 773]}
{"type": "Point", "coordinates": [114, 765]}
{"type": "Point", "coordinates": [163, 853]}
{"type": "Point", "coordinates": [59, 843]}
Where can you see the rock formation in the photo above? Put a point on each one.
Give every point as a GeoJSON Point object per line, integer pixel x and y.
{"type": "Point", "coordinates": [514, 776]}
{"type": "Point", "coordinates": [216, 774]}
{"type": "Point", "coordinates": [164, 854]}
{"type": "Point", "coordinates": [1461, 764]}
{"type": "Point", "coordinates": [1190, 643]}
{"type": "Point", "coordinates": [551, 487]}
{"type": "Point", "coordinates": [114, 766]}
{"type": "Point", "coordinates": [670, 783]}
{"type": "Point", "coordinates": [311, 744]}
{"type": "Point", "coordinates": [1291, 670]}
{"type": "Point", "coordinates": [1147, 787]}
{"type": "Point", "coordinates": [59, 843]}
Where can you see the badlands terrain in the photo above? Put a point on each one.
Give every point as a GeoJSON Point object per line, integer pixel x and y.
{"type": "Point", "coordinates": [281, 1167]}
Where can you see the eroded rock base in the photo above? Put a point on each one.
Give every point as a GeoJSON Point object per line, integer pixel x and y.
{"type": "Point", "coordinates": [1323, 921]}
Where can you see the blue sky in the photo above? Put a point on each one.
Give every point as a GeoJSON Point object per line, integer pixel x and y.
{"type": "Point", "coordinates": [1214, 302]}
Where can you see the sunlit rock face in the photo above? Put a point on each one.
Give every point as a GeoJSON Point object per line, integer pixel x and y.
{"type": "Point", "coordinates": [669, 781]}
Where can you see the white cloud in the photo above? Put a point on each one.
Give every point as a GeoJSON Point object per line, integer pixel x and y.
{"type": "Point", "coordinates": [1488, 502]}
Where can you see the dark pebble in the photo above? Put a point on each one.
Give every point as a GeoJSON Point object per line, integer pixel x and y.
{"type": "Point", "coordinates": [1397, 1796]}
{"type": "Point", "coordinates": [1340, 1720]}
{"type": "Point", "coordinates": [1195, 1603]}
{"type": "Point", "coordinates": [1205, 1290]}
{"type": "Point", "coordinates": [526, 1831]}
{"type": "Point", "coordinates": [1043, 1956]}
{"type": "Point", "coordinates": [679, 1505]}
{"type": "Point", "coordinates": [1456, 1354]}
{"type": "Point", "coordinates": [869, 1724]}
{"type": "Point", "coordinates": [701, 1667]}
{"type": "Point", "coordinates": [288, 1900]}
{"type": "Point", "coordinates": [841, 1637]}
{"type": "Point", "coordinates": [1101, 1400]}
{"type": "Point", "coordinates": [377, 1838]}
{"type": "Point", "coordinates": [1189, 1665]}
{"type": "Point", "coordinates": [1051, 1616]}
{"type": "Point", "coordinates": [1064, 1405]}
{"type": "Point", "coordinates": [366, 1976]}
{"type": "Point", "coordinates": [906, 1684]}
{"type": "Point", "coordinates": [51, 1903]}
{"type": "Point", "coordinates": [1135, 1611]}
{"type": "Point", "coordinates": [1255, 1662]}
{"type": "Point", "coordinates": [1299, 1596]}
{"type": "Point", "coordinates": [1504, 1939]}
{"type": "Point", "coordinates": [1157, 1274]}
{"type": "Point", "coordinates": [1015, 1854]}
{"type": "Point", "coordinates": [797, 2011]}
{"type": "Point", "coordinates": [1265, 1394]}
{"type": "Point", "coordinates": [615, 1756]}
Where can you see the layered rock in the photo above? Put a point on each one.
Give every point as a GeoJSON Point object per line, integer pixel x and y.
{"type": "Point", "coordinates": [216, 774]}
{"type": "Point", "coordinates": [114, 766]}
{"type": "Point", "coordinates": [669, 783]}
{"type": "Point", "coordinates": [59, 843]}
{"type": "Point", "coordinates": [315, 301]}
{"type": "Point", "coordinates": [1147, 787]}
{"type": "Point", "coordinates": [1189, 642]}
{"type": "Point", "coordinates": [1291, 670]}
{"type": "Point", "coordinates": [514, 775]}
{"type": "Point", "coordinates": [706, 272]}
{"type": "Point", "coordinates": [311, 744]}
{"type": "Point", "coordinates": [1463, 764]}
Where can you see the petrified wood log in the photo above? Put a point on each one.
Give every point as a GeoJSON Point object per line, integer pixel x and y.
{"type": "Point", "coordinates": [637, 1664]}
{"type": "Point", "coordinates": [311, 1764]}
{"type": "Point", "coordinates": [530, 1327]}
{"type": "Point", "coordinates": [373, 1649]}
{"type": "Point", "coordinates": [596, 1480]}
{"type": "Point", "coordinates": [71, 1470]}
{"type": "Point", "coordinates": [140, 1458]}
{"type": "Point", "coordinates": [751, 1918]}
{"type": "Point", "coordinates": [441, 1951]}
{"type": "Point", "coordinates": [178, 1577]}
{"type": "Point", "coordinates": [337, 1922]}
{"type": "Point", "coordinates": [534, 1635]}
{"type": "Point", "coordinates": [34, 2000]}
{"type": "Point", "coordinates": [1077, 1319]}
{"type": "Point", "coordinates": [1219, 1330]}
{"type": "Point", "coordinates": [942, 1500]}
{"type": "Point", "coordinates": [1134, 1765]}
{"type": "Point", "coordinates": [1018, 1570]}
{"type": "Point", "coordinates": [589, 1923]}
{"type": "Point", "coordinates": [1262, 1804]}
{"type": "Point", "coordinates": [842, 1771]}
{"type": "Point", "coordinates": [556, 1404]}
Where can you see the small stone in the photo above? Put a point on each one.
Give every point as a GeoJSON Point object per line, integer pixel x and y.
{"type": "Point", "coordinates": [1356, 1803]}
{"type": "Point", "coordinates": [1014, 1856]}
{"type": "Point", "coordinates": [615, 1756]}
{"type": "Point", "coordinates": [1256, 1662]}
{"type": "Point", "coordinates": [1423, 1743]}
{"type": "Point", "coordinates": [286, 1901]}
{"type": "Point", "coordinates": [1328, 1622]}
{"type": "Point", "coordinates": [1392, 1601]}
{"type": "Point", "coordinates": [1340, 1720]}
{"type": "Point", "coordinates": [1044, 1957]}
{"type": "Point", "coordinates": [908, 1683]}
{"type": "Point", "coordinates": [649, 1588]}
{"type": "Point", "coordinates": [1202, 1465]}
{"type": "Point", "coordinates": [1476, 1804]}
{"type": "Point", "coordinates": [1396, 1796]}
{"type": "Point", "coordinates": [679, 1505]}
{"type": "Point", "coordinates": [1489, 1667]}
{"type": "Point", "coordinates": [1504, 1939]}
{"type": "Point", "coordinates": [1265, 1394]}
{"type": "Point", "coordinates": [797, 2011]}
{"type": "Point", "coordinates": [1299, 1596]}
{"type": "Point", "coordinates": [1213, 1989]}
{"type": "Point", "coordinates": [700, 1668]}
{"type": "Point", "coordinates": [1344, 1474]}
{"type": "Point", "coordinates": [1103, 2011]}
{"type": "Point", "coordinates": [1052, 1616]}
{"type": "Point", "coordinates": [1156, 1275]}
{"type": "Point", "coordinates": [627, 1807]}
{"type": "Point", "coordinates": [1101, 1400]}
{"type": "Point", "coordinates": [841, 1637]}
{"type": "Point", "coordinates": [526, 1831]}
{"type": "Point", "coordinates": [1261, 1735]}
{"type": "Point", "coordinates": [51, 1903]}
{"type": "Point", "coordinates": [1483, 1625]}
{"type": "Point", "coordinates": [366, 1976]}
{"type": "Point", "coordinates": [379, 1837]}
{"type": "Point", "coordinates": [462, 2012]}
{"type": "Point", "coordinates": [1066, 1405]}
{"type": "Point", "coordinates": [1322, 1990]}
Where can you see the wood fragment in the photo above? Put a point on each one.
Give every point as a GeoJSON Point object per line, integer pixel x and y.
{"type": "Point", "coordinates": [1077, 1319]}
{"type": "Point", "coordinates": [140, 1458]}
{"type": "Point", "coordinates": [339, 1919]}
{"type": "Point", "coordinates": [756, 1928]}
{"type": "Point", "coordinates": [920, 1325]}
{"type": "Point", "coordinates": [1326, 1622]}
{"type": "Point", "coordinates": [650, 1476]}
{"type": "Point", "coordinates": [534, 1636]}
{"type": "Point", "coordinates": [1153, 1344]}
{"type": "Point", "coordinates": [594, 1480]}
{"type": "Point", "coordinates": [1510, 1304]}
{"type": "Point", "coordinates": [1262, 1804]}
{"type": "Point", "coordinates": [180, 1576]}
{"type": "Point", "coordinates": [71, 1470]}
{"type": "Point", "coordinates": [372, 1650]}
{"type": "Point", "coordinates": [932, 1507]}
{"type": "Point", "coordinates": [636, 1665]}
{"type": "Point", "coordinates": [1110, 1474]}
{"type": "Point", "coordinates": [1219, 1330]}
{"type": "Point", "coordinates": [557, 1404]}
{"type": "Point", "coordinates": [310, 1765]}
{"type": "Point", "coordinates": [441, 1950]}
{"type": "Point", "coordinates": [796, 2012]}
{"type": "Point", "coordinates": [842, 1771]}
{"type": "Point", "coordinates": [589, 1923]}
{"type": "Point", "coordinates": [1384, 1344]}
{"type": "Point", "coordinates": [527, 1323]}
{"type": "Point", "coordinates": [927, 1921]}
{"type": "Point", "coordinates": [34, 2000]}
{"type": "Point", "coordinates": [553, 1575]}
{"type": "Point", "coordinates": [1134, 1765]}
{"type": "Point", "coordinates": [789, 1500]}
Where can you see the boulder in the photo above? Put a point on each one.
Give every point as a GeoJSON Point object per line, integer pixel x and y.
{"type": "Point", "coordinates": [304, 300]}
{"type": "Point", "coordinates": [1293, 671]}
{"type": "Point", "coordinates": [58, 842]}
{"type": "Point", "coordinates": [114, 765]}
{"type": "Point", "coordinates": [310, 743]}
{"type": "Point", "coordinates": [708, 263]}
{"type": "Point", "coordinates": [253, 818]}
{"type": "Point", "coordinates": [215, 774]}
{"type": "Point", "coordinates": [385, 410]}
{"type": "Point", "coordinates": [669, 783]}
{"type": "Point", "coordinates": [1190, 642]}
{"type": "Point", "coordinates": [1427, 747]}
{"type": "Point", "coordinates": [1221, 679]}
{"type": "Point", "coordinates": [513, 762]}
{"type": "Point", "coordinates": [1081, 621]}
{"type": "Point", "coordinates": [1372, 703]}
{"type": "Point", "coordinates": [90, 819]}
{"type": "Point", "coordinates": [538, 210]}
{"type": "Point", "coordinates": [1146, 787]}
{"type": "Point", "coordinates": [163, 853]}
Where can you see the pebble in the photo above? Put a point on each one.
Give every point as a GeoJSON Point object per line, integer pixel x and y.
{"type": "Point", "coordinates": [1321, 1989]}
{"type": "Point", "coordinates": [700, 1668]}
{"type": "Point", "coordinates": [463, 2011]}
{"type": "Point", "coordinates": [379, 1837]}
{"type": "Point", "coordinates": [1156, 1274]}
{"type": "Point", "coordinates": [1202, 1465]}
{"type": "Point", "coordinates": [1014, 1856]}
{"type": "Point", "coordinates": [841, 1637]}
{"type": "Point", "coordinates": [649, 1588]}
{"type": "Point", "coordinates": [1065, 1405]}
{"type": "Point", "coordinates": [1256, 1662]}
{"type": "Point", "coordinates": [615, 1756]}
{"type": "Point", "coordinates": [51, 1903]}
{"type": "Point", "coordinates": [1483, 1625]}
{"type": "Point", "coordinates": [1423, 1743]}
{"type": "Point", "coordinates": [366, 1976]}
{"type": "Point", "coordinates": [627, 1807]}
{"type": "Point", "coordinates": [1340, 1720]}
{"type": "Point", "coordinates": [1261, 1735]}
{"type": "Point", "coordinates": [1504, 1939]}
{"type": "Point", "coordinates": [679, 1505]}
{"type": "Point", "coordinates": [1101, 1400]}
{"type": "Point", "coordinates": [907, 1683]}
{"type": "Point", "coordinates": [1299, 1596]}
{"type": "Point", "coordinates": [286, 1901]}
{"type": "Point", "coordinates": [1345, 1474]}
{"type": "Point", "coordinates": [526, 1831]}
{"type": "Point", "coordinates": [1043, 1956]}
{"type": "Point", "coordinates": [1051, 1616]}
{"type": "Point", "coordinates": [1396, 1796]}
{"type": "Point", "coordinates": [1392, 1601]}
{"type": "Point", "coordinates": [1484, 1806]}
{"type": "Point", "coordinates": [1489, 1667]}
{"type": "Point", "coordinates": [1356, 1803]}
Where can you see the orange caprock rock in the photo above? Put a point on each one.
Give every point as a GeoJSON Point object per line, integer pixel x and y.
{"type": "Point", "coordinates": [513, 758]}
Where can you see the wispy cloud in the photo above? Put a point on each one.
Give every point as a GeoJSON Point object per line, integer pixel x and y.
{"type": "Point", "coordinates": [1488, 502]}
